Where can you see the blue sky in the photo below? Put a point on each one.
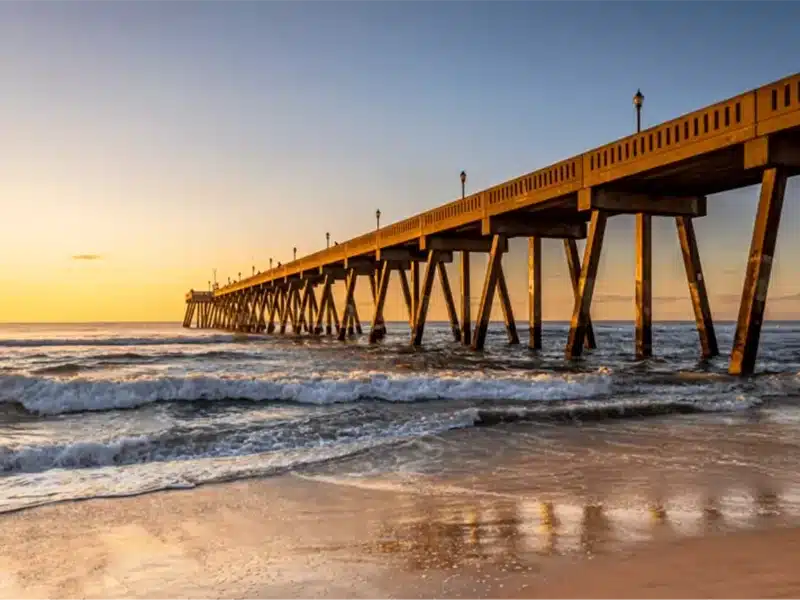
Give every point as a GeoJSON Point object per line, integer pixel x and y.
{"type": "Point", "coordinates": [174, 137]}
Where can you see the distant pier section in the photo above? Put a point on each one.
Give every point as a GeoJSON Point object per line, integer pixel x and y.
{"type": "Point", "coordinates": [665, 171]}
{"type": "Point", "coordinates": [199, 306]}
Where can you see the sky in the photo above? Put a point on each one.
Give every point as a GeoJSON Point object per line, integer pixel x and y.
{"type": "Point", "coordinates": [147, 143]}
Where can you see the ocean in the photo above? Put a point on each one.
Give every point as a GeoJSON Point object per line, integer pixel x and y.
{"type": "Point", "coordinates": [105, 410]}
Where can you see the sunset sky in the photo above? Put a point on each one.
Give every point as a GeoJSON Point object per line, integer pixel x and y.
{"type": "Point", "coordinates": [146, 143]}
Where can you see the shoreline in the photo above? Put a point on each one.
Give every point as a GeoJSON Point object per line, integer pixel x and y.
{"type": "Point", "coordinates": [289, 536]}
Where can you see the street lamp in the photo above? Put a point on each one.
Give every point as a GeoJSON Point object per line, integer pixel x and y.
{"type": "Point", "coordinates": [240, 275]}
{"type": "Point", "coordinates": [463, 182]}
{"type": "Point", "coordinates": [638, 100]}
{"type": "Point", "coordinates": [254, 269]}
{"type": "Point", "coordinates": [229, 280]}
{"type": "Point", "coordinates": [327, 239]}
{"type": "Point", "coordinates": [378, 218]}
{"type": "Point", "coordinates": [270, 264]}
{"type": "Point", "coordinates": [294, 253]}
{"type": "Point", "coordinates": [209, 285]}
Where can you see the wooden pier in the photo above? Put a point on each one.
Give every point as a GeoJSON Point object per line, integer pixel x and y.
{"type": "Point", "coordinates": [664, 171]}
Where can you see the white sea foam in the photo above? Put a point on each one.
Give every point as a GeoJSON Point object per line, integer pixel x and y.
{"type": "Point", "coordinates": [48, 396]}
{"type": "Point", "coordinates": [120, 341]}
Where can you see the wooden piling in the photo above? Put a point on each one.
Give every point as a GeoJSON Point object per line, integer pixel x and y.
{"type": "Point", "coordinates": [493, 269]}
{"type": "Point", "coordinates": [380, 300]}
{"type": "Point", "coordinates": [591, 260]}
{"type": "Point", "coordinates": [697, 287]}
{"type": "Point", "coordinates": [466, 318]}
{"type": "Point", "coordinates": [535, 293]}
{"type": "Point", "coordinates": [424, 299]}
{"type": "Point", "coordinates": [407, 296]}
{"type": "Point", "coordinates": [759, 268]}
{"type": "Point", "coordinates": [447, 292]}
{"type": "Point", "coordinates": [414, 290]}
{"type": "Point", "coordinates": [505, 305]}
{"type": "Point", "coordinates": [574, 266]}
{"type": "Point", "coordinates": [347, 311]}
{"type": "Point", "coordinates": [644, 286]}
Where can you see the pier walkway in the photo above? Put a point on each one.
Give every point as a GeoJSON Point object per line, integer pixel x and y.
{"type": "Point", "coordinates": [665, 171]}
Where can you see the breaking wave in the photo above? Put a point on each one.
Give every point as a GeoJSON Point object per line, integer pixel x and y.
{"type": "Point", "coordinates": [47, 396]}
{"type": "Point", "coordinates": [187, 443]}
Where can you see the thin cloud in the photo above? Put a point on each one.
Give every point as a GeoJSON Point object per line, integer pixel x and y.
{"type": "Point", "coordinates": [87, 257]}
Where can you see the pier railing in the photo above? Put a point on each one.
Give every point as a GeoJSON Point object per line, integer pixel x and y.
{"type": "Point", "coordinates": [765, 110]}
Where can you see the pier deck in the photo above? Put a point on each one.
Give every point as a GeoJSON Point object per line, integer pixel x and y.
{"type": "Point", "coordinates": [665, 171]}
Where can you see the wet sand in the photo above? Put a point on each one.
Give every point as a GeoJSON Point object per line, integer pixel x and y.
{"type": "Point", "coordinates": [684, 506]}
{"type": "Point", "coordinates": [754, 564]}
{"type": "Point", "coordinates": [290, 536]}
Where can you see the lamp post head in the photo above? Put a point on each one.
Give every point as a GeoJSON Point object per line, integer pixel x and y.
{"type": "Point", "coordinates": [638, 99]}
{"type": "Point", "coordinates": [378, 217]}
{"type": "Point", "coordinates": [463, 177]}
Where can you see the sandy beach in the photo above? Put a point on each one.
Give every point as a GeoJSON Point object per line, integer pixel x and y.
{"type": "Point", "coordinates": [290, 536]}
{"type": "Point", "coordinates": [368, 487]}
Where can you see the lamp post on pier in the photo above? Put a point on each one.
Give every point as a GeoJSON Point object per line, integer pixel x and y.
{"type": "Point", "coordinates": [254, 269]}
{"type": "Point", "coordinates": [378, 218]}
{"type": "Point", "coordinates": [463, 183]}
{"type": "Point", "coordinates": [638, 101]}
{"type": "Point", "coordinates": [209, 285]}
{"type": "Point", "coordinates": [240, 275]}
{"type": "Point", "coordinates": [294, 253]}
{"type": "Point", "coordinates": [270, 264]}
{"type": "Point", "coordinates": [327, 239]}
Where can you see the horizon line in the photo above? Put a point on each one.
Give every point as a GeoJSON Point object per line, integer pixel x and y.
{"type": "Point", "coordinates": [499, 321]}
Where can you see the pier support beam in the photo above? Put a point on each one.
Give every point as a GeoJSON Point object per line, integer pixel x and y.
{"type": "Point", "coordinates": [759, 268]}
{"type": "Point", "coordinates": [312, 309]}
{"type": "Point", "coordinates": [583, 300]}
{"type": "Point", "coordinates": [466, 318]}
{"type": "Point", "coordinates": [273, 311]}
{"type": "Point", "coordinates": [407, 296]}
{"type": "Point", "coordinates": [505, 305]}
{"type": "Point", "coordinates": [574, 266]}
{"type": "Point", "coordinates": [302, 318]}
{"type": "Point", "coordinates": [424, 299]}
{"type": "Point", "coordinates": [452, 314]}
{"type": "Point", "coordinates": [288, 309]}
{"type": "Point", "coordinates": [324, 312]}
{"type": "Point", "coordinates": [535, 293]}
{"type": "Point", "coordinates": [414, 291]}
{"type": "Point", "coordinates": [380, 299]}
{"type": "Point", "coordinates": [348, 313]}
{"type": "Point", "coordinates": [378, 326]}
{"type": "Point", "coordinates": [697, 287]}
{"type": "Point", "coordinates": [494, 272]}
{"type": "Point", "coordinates": [644, 286]}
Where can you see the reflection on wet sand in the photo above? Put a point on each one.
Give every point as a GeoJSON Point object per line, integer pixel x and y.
{"type": "Point", "coordinates": [440, 532]}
